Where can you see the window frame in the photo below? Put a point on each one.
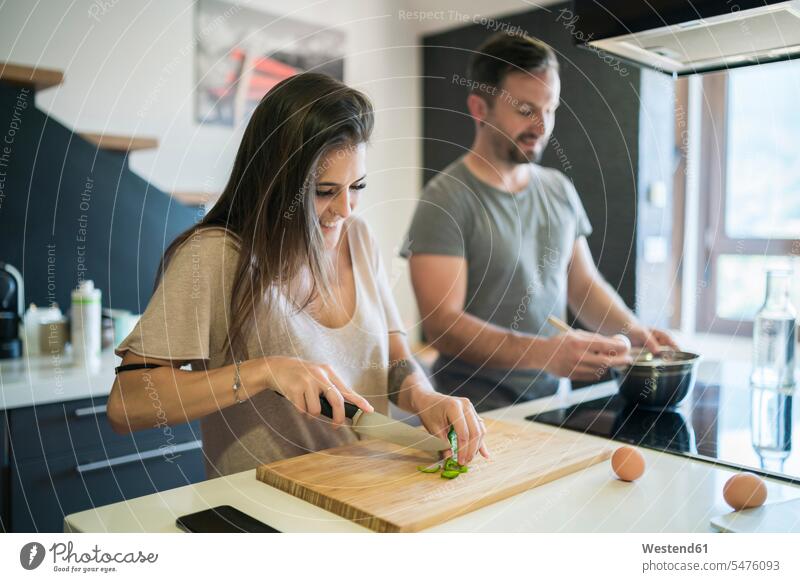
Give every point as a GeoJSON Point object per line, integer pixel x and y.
{"type": "Point", "coordinates": [713, 240]}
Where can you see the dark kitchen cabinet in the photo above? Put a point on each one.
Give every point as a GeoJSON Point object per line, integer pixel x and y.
{"type": "Point", "coordinates": [5, 475]}
{"type": "Point", "coordinates": [62, 458]}
{"type": "Point", "coordinates": [46, 490]}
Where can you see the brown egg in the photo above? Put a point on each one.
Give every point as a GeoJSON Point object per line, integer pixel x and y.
{"type": "Point", "coordinates": [744, 490]}
{"type": "Point", "coordinates": [628, 463]}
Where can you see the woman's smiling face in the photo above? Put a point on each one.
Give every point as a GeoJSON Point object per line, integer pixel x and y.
{"type": "Point", "coordinates": [342, 177]}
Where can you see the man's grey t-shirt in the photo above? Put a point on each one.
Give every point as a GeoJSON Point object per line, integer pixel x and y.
{"type": "Point", "coordinates": [517, 247]}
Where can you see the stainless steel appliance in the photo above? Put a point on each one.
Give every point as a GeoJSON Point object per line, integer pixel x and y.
{"type": "Point", "coordinates": [687, 36]}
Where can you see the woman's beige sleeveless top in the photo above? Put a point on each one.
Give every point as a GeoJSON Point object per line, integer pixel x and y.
{"type": "Point", "coordinates": [188, 317]}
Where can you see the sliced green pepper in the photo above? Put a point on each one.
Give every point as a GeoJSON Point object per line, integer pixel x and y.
{"type": "Point", "coordinates": [451, 464]}
{"type": "Point", "coordinates": [453, 438]}
{"type": "Point", "coordinates": [450, 468]}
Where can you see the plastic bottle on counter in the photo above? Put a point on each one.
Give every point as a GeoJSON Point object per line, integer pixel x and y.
{"type": "Point", "coordinates": [30, 323]}
{"type": "Point", "coordinates": [86, 316]}
{"type": "Point", "coordinates": [34, 317]}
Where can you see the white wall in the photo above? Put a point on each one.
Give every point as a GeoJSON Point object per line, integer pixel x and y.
{"type": "Point", "coordinates": [129, 69]}
{"type": "Point", "coordinates": [441, 15]}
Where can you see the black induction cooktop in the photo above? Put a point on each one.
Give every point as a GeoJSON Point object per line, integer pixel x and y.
{"type": "Point", "coordinates": [739, 427]}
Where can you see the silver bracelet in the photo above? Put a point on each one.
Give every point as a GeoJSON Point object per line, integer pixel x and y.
{"type": "Point", "coordinates": [237, 383]}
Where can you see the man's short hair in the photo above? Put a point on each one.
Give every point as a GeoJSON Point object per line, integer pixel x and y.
{"type": "Point", "coordinates": [504, 53]}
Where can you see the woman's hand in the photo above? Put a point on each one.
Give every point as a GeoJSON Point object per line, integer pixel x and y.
{"type": "Point", "coordinates": [303, 382]}
{"type": "Point", "coordinates": [439, 411]}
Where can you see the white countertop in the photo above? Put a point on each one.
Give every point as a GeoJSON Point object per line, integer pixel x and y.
{"type": "Point", "coordinates": [676, 494]}
{"type": "Point", "coordinates": [33, 380]}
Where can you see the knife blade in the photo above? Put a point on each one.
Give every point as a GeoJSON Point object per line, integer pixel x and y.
{"type": "Point", "coordinates": [380, 426]}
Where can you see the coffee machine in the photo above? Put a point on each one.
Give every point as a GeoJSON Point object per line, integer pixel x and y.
{"type": "Point", "coordinates": [12, 306]}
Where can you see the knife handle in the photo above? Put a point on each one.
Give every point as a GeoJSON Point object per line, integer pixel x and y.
{"type": "Point", "coordinates": [350, 410]}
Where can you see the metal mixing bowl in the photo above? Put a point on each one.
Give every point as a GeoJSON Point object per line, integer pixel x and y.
{"type": "Point", "coordinates": [658, 380]}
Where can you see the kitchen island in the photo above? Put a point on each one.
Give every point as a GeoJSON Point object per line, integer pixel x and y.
{"type": "Point", "coordinates": [676, 494]}
{"type": "Point", "coordinates": [58, 454]}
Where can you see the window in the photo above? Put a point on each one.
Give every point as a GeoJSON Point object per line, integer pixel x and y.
{"type": "Point", "coordinates": [749, 190]}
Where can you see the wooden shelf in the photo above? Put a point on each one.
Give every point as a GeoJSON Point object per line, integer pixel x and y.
{"type": "Point", "coordinates": [120, 143]}
{"type": "Point", "coordinates": [27, 76]}
{"type": "Point", "coordinates": [196, 198]}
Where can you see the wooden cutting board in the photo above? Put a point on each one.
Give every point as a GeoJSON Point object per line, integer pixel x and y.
{"type": "Point", "coordinates": [376, 484]}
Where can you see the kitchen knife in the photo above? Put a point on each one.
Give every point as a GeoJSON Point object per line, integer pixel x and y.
{"type": "Point", "coordinates": [379, 426]}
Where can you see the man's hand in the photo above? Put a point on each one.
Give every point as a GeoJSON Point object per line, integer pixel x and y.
{"type": "Point", "coordinates": [580, 355]}
{"type": "Point", "coordinates": [653, 339]}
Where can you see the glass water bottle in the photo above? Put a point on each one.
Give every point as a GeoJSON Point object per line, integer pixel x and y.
{"type": "Point", "coordinates": [775, 336]}
{"type": "Point", "coordinates": [771, 427]}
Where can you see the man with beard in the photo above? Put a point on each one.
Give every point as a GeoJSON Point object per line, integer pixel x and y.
{"type": "Point", "coordinates": [498, 244]}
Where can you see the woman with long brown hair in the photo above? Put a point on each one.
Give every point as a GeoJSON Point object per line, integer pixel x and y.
{"type": "Point", "coordinates": [278, 297]}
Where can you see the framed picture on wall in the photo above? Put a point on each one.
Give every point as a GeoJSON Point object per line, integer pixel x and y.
{"type": "Point", "coordinates": [241, 53]}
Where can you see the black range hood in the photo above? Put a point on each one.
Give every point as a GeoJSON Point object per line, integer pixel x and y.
{"type": "Point", "coordinates": [688, 36]}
